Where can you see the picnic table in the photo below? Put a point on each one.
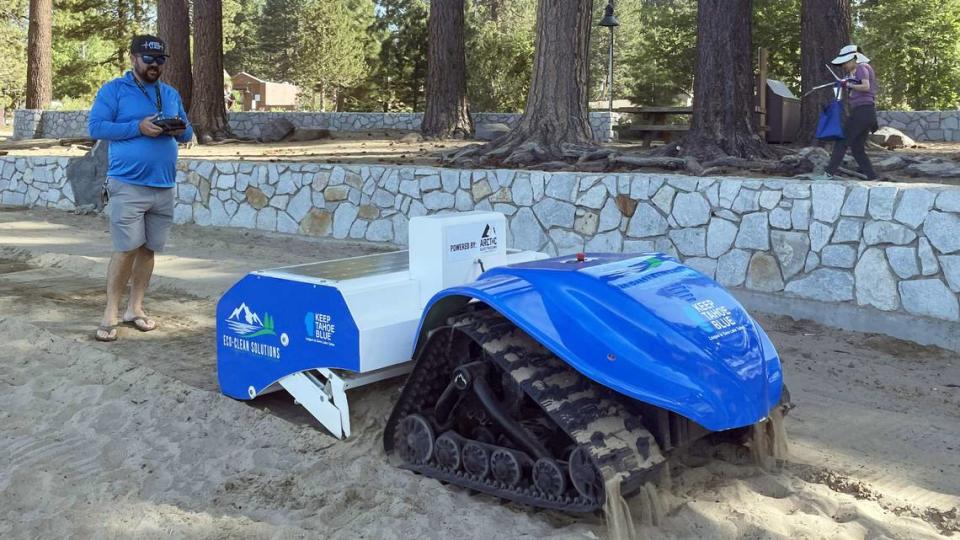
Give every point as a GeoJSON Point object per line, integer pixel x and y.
{"type": "Point", "coordinates": [652, 123]}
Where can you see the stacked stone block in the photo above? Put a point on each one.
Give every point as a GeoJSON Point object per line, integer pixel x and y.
{"type": "Point", "coordinates": [893, 248]}
{"type": "Point", "coordinates": [942, 126]}
{"type": "Point", "coordinates": [27, 124]}
{"type": "Point", "coordinates": [36, 182]}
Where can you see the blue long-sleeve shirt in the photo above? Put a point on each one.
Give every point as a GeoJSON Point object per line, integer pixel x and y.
{"type": "Point", "coordinates": [135, 158]}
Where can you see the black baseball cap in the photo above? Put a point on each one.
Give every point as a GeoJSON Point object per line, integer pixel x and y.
{"type": "Point", "coordinates": [147, 44]}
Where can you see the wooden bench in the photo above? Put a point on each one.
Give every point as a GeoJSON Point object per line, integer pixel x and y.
{"type": "Point", "coordinates": [651, 123]}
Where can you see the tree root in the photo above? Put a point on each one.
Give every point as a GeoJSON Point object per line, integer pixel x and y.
{"type": "Point", "coordinates": [595, 155]}
{"type": "Point", "coordinates": [669, 163]}
{"type": "Point", "coordinates": [588, 157]}
{"type": "Point", "coordinates": [790, 165]}
{"type": "Point", "coordinates": [854, 174]}
{"type": "Point", "coordinates": [216, 142]}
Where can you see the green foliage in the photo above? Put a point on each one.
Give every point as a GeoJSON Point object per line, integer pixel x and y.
{"type": "Point", "coordinates": [655, 48]}
{"type": "Point", "coordinates": [13, 61]}
{"type": "Point", "coordinates": [776, 27]}
{"type": "Point", "coordinates": [654, 52]}
{"type": "Point", "coordinates": [914, 46]}
{"type": "Point", "coordinates": [402, 66]}
{"type": "Point", "coordinates": [372, 54]}
{"type": "Point", "coordinates": [366, 94]}
{"type": "Point", "coordinates": [331, 58]}
{"type": "Point", "coordinates": [90, 43]}
{"type": "Point", "coordinates": [277, 33]}
{"type": "Point", "coordinates": [323, 46]}
{"type": "Point", "coordinates": [241, 46]}
{"type": "Point", "coordinates": [500, 48]}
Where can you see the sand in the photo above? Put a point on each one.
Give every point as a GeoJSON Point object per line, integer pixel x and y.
{"type": "Point", "coordinates": [132, 439]}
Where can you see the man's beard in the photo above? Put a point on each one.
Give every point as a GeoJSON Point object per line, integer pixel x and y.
{"type": "Point", "coordinates": [149, 74]}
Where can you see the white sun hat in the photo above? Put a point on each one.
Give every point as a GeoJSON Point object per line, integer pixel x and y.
{"type": "Point", "coordinates": [848, 53]}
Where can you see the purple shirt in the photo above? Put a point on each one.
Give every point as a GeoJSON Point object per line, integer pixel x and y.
{"type": "Point", "coordinates": [864, 73]}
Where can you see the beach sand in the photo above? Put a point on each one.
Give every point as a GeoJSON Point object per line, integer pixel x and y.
{"type": "Point", "coordinates": [133, 440]}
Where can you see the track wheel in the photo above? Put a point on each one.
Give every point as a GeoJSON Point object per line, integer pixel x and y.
{"type": "Point", "coordinates": [506, 467]}
{"type": "Point", "coordinates": [549, 477]}
{"type": "Point", "coordinates": [447, 451]}
{"type": "Point", "coordinates": [415, 440]}
{"type": "Point", "coordinates": [476, 459]}
{"type": "Point", "coordinates": [584, 475]}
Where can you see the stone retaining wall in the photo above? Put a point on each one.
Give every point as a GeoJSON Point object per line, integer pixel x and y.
{"type": "Point", "coordinates": [924, 125]}
{"type": "Point", "coordinates": [36, 181]}
{"type": "Point", "coordinates": [33, 124]}
{"type": "Point", "coordinates": [891, 248]}
{"type": "Point", "coordinates": [27, 124]}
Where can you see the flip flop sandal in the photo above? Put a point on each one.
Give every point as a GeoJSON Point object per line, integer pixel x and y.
{"type": "Point", "coordinates": [143, 320]}
{"type": "Point", "coordinates": [106, 329]}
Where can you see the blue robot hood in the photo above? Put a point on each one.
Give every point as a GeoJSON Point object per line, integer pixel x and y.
{"type": "Point", "coordinates": [645, 326]}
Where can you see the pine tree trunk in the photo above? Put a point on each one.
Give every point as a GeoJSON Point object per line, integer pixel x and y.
{"type": "Point", "coordinates": [173, 26]}
{"type": "Point", "coordinates": [556, 109]}
{"type": "Point", "coordinates": [724, 123]}
{"type": "Point", "coordinates": [447, 114]}
{"type": "Point", "coordinates": [208, 112]}
{"type": "Point", "coordinates": [825, 29]}
{"type": "Point", "coordinates": [40, 54]}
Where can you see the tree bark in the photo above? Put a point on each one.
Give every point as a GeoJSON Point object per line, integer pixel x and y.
{"type": "Point", "coordinates": [824, 29]}
{"type": "Point", "coordinates": [556, 109]}
{"type": "Point", "coordinates": [447, 114]}
{"type": "Point", "coordinates": [173, 26]}
{"type": "Point", "coordinates": [723, 99]}
{"type": "Point", "coordinates": [40, 54]}
{"type": "Point", "coordinates": [208, 111]}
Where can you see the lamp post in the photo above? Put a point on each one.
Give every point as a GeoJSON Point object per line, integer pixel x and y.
{"type": "Point", "coordinates": [610, 21]}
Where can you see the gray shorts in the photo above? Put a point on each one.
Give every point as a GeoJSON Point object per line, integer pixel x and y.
{"type": "Point", "coordinates": [139, 215]}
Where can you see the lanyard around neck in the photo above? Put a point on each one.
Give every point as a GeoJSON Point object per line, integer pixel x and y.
{"type": "Point", "coordinates": [156, 88]}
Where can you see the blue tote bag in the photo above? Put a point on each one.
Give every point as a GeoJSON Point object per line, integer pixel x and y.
{"type": "Point", "coordinates": [830, 126]}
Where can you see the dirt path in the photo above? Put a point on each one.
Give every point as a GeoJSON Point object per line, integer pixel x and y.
{"type": "Point", "coordinates": [132, 439]}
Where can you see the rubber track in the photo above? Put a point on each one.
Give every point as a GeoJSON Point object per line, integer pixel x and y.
{"type": "Point", "coordinates": [591, 415]}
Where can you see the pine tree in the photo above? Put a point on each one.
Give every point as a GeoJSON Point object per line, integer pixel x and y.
{"type": "Point", "coordinates": [655, 52]}
{"type": "Point", "coordinates": [91, 43]}
{"type": "Point", "coordinates": [363, 95]}
{"type": "Point", "coordinates": [40, 55]}
{"type": "Point", "coordinates": [556, 110]}
{"type": "Point", "coordinates": [403, 52]}
{"type": "Point", "coordinates": [208, 112]}
{"type": "Point", "coordinates": [913, 46]}
{"type": "Point", "coordinates": [499, 49]}
{"type": "Point", "coordinates": [336, 61]}
{"type": "Point", "coordinates": [278, 32]}
{"type": "Point", "coordinates": [242, 49]}
{"type": "Point", "coordinates": [447, 113]}
{"type": "Point", "coordinates": [723, 119]}
{"type": "Point", "coordinates": [173, 26]}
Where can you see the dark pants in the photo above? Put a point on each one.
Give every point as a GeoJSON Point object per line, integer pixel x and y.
{"type": "Point", "coordinates": [861, 122]}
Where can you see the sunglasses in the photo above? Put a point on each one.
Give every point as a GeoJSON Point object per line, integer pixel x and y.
{"type": "Point", "coordinates": [150, 59]}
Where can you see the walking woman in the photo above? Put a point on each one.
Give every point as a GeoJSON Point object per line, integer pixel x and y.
{"type": "Point", "coordinates": [861, 83]}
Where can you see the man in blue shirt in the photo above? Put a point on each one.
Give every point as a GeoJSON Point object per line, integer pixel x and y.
{"type": "Point", "coordinates": [140, 177]}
